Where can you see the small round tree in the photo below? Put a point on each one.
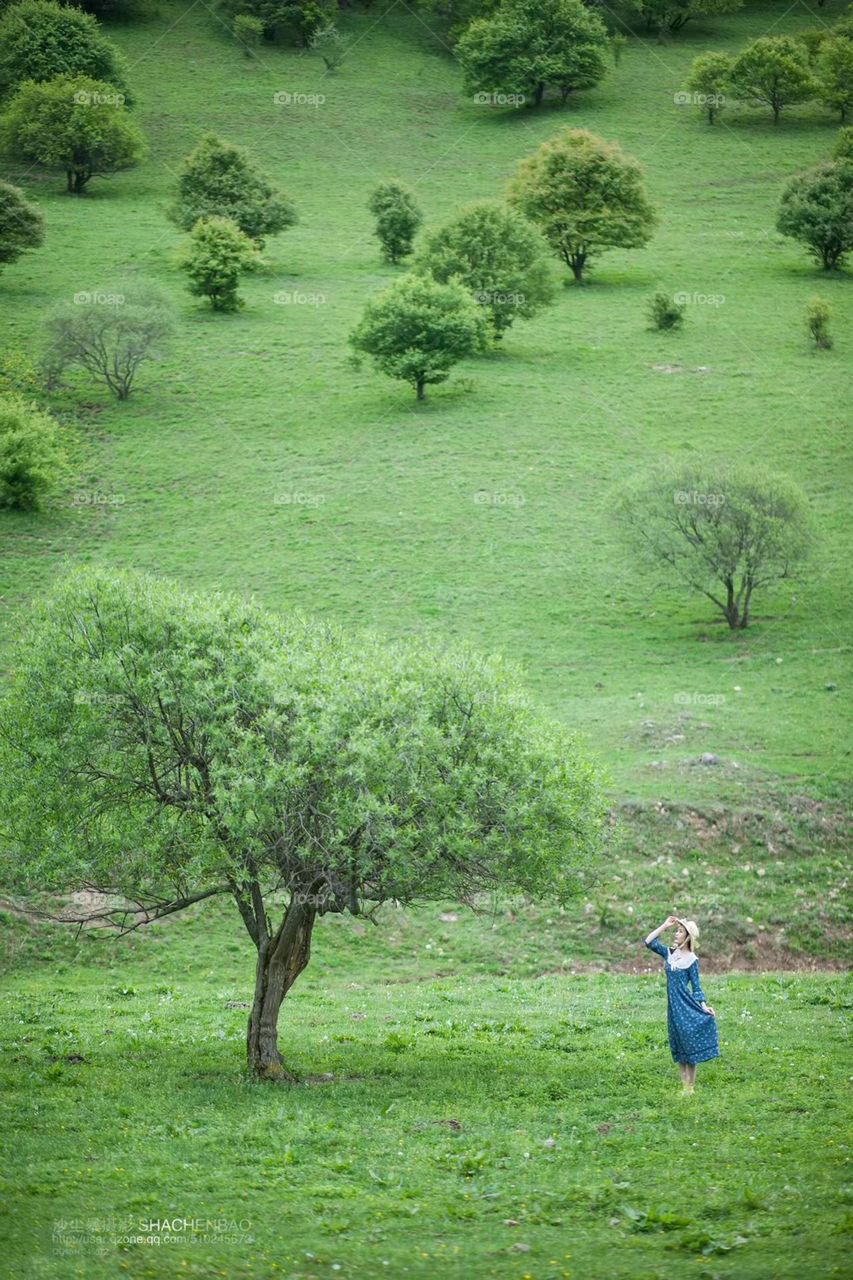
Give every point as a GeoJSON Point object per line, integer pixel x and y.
{"type": "Point", "coordinates": [529, 46]}
{"type": "Point", "coordinates": [709, 81]}
{"type": "Point", "coordinates": [723, 530]}
{"type": "Point", "coordinates": [21, 224]}
{"type": "Point", "coordinates": [217, 255]}
{"type": "Point", "coordinates": [162, 748]}
{"type": "Point", "coordinates": [397, 219]}
{"type": "Point", "coordinates": [773, 72]}
{"type": "Point", "coordinates": [109, 334]}
{"type": "Point", "coordinates": [497, 255]}
{"type": "Point", "coordinates": [32, 455]}
{"type": "Point", "coordinates": [418, 330]}
{"type": "Point", "coordinates": [586, 196]}
{"type": "Point", "coordinates": [817, 209]}
{"type": "Point", "coordinates": [218, 180]}
{"type": "Point", "coordinates": [77, 125]}
{"type": "Point", "coordinates": [40, 40]}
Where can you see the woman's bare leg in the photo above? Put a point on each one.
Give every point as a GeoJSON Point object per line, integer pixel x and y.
{"type": "Point", "coordinates": [691, 1074]}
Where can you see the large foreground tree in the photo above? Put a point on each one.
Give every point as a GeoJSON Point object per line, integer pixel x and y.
{"type": "Point", "coordinates": [162, 748]}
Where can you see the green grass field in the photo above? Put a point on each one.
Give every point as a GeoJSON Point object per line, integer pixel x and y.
{"type": "Point", "coordinates": [457, 1116]}
{"type": "Point", "coordinates": [482, 1097]}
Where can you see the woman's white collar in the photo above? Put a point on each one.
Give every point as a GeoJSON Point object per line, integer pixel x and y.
{"type": "Point", "coordinates": [679, 959]}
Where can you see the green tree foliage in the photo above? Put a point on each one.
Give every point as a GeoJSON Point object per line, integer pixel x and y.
{"type": "Point", "coordinates": [248, 32]}
{"type": "Point", "coordinates": [664, 311]}
{"type": "Point", "coordinates": [40, 40]}
{"type": "Point", "coordinates": [170, 747]}
{"type": "Point", "coordinates": [843, 149]}
{"type": "Point", "coordinates": [497, 255]}
{"type": "Point", "coordinates": [217, 255]}
{"type": "Point", "coordinates": [21, 224]}
{"type": "Point", "coordinates": [397, 219]}
{"type": "Point", "coordinates": [773, 71]}
{"type": "Point", "coordinates": [671, 15]}
{"type": "Point", "coordinates": [586, 195]}
{"type": "Point", "coordinates": [109, 334]}
{"type": "Point", "coordinates": [418, 330]}
{"type": "Point", "coordinates": [218, 180]}
{"type": "Point", "coordinates": [78, 126]}
{"type": "Point", "coordinates": [817, 209]}
{"type": "Point", "coordinates": [330, 45]}
{"type": "Point", "coordinates": [529, 46]}
{"type": "Point", "coordinates": [724, 530]}
{"type": "Point", "coordinates": [835, 76]}
{"type": "Point", "coordinates": [283, 21]}
{"type": "Point", "coordinates": [32, 455]}
{"type": "Point", "coordinates": [709, 80]}
{"type": "Point", "coordinates": [818, 316]}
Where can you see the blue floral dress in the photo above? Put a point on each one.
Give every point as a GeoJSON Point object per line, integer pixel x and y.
{"type": "Point", "coordinates": [692, 1032]}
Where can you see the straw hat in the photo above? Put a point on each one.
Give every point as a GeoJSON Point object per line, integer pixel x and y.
{"type": "Point", "coordinates": [692, 931]}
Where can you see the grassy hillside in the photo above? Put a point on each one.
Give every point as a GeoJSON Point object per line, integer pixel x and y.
{"type": "Point", "coordinates": [257, 459]}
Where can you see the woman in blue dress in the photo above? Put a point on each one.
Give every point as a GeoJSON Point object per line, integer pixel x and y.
{"type": "Point", "coordinates": [691, 1023]}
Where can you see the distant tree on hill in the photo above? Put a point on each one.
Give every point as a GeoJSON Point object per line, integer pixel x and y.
{"type": "Point", "coordinates": [529, 46]}
{"type": "Point", "coordinates": [834, 72]}
{"type": "Point", "coordinates": [217, 255]}
{"type": "Point", "coordinates": [497, 255]}
{"type": "Point", "coordinates": [586, 196]}
{"type": "Point", "coordinates": [397, 219]}
{"type": "Point", "coordinates": [109, 333]}
{"type": "Point", "coordinates": [709, 80]}
{"type": "Point", "coordinates": [673, 14]}
{"type": "Point", "coordinates": [32, 455]}
{"type": "Point", "coordinates": [218, 180]}
{"type": "Point", "coordinates": [723, 530]}
{"type": "Point", "coordinates": [817, 209]}
{"type": "Point", "coordinates": [773, 71]}
{"type": "Point", "coordinates": [79, 126]}
{"type": "Point", "coordinates": [418, 330]}
{"type": "Point", "coordinates": [167, 748]}
{"type": "Point", "coordinates": [284, 21]}
{"type": "Point", "coordinates": [21, 224]}
{"type": "Point", "coordinates": [818, 316]}
{"type": "Point", "coordinates": [40, 40]}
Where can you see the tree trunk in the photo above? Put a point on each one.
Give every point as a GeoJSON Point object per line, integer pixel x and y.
{"type": "Point", "coordinates": [577, 261]}
{"type": "Point", "coordinates": [731, 610]}
{"type": "Point", "coordinates": [538, 94]}
{"type": "Point", "coordinates": [69, 181]}
{"type": "Point", "coordinates": [281, 959]}
{"type": "Point", "coordinates": [420, 389]}
{"type": "Point", "coordinates": [776, 111]}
